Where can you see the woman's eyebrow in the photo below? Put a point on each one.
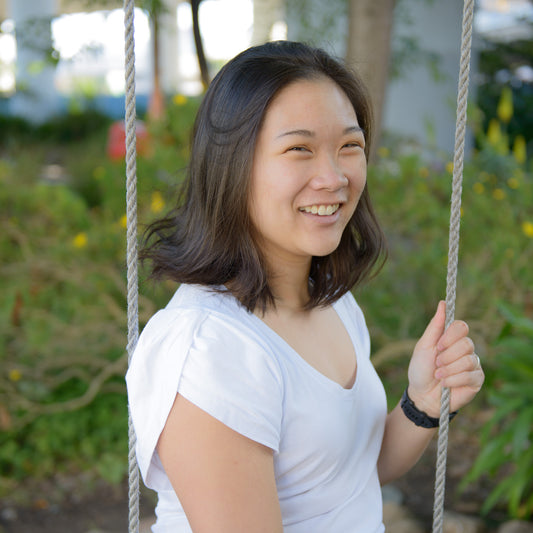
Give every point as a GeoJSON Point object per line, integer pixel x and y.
{"type": "Point", "coordinates": [354, 129]}
{"type": "Point", "coordinates": [304, 133]}
{"type": "Point", "coordinates": [309, 133]}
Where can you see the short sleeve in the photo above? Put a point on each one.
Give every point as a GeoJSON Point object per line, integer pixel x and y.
{"type": "Point", "coordinates": [215, 363]}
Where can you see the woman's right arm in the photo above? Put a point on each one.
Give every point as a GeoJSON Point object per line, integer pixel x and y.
{"type": "Point", "coordinates": [224, 480]}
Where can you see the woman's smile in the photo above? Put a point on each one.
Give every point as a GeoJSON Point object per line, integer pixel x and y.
{"type": "Point", "coordinates": [321, 210]}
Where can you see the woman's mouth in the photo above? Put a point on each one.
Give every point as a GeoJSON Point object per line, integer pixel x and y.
{"type": "Point", "coordinates": [320, 209]}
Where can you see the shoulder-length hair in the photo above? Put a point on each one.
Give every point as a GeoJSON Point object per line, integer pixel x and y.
{"type": "Point", "coordinates": [209, 239]}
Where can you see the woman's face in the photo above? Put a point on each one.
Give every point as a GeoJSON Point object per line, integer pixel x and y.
{"type": "Point", "coordinates": [308, 172]}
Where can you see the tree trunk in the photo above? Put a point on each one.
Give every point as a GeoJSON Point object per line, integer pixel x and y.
{"type": "Point", "coordinates": [156, 106]}
{"type": "Point", "coordinates": [202, 63]}
{"type": "Point", "coordinates": [368, 51]}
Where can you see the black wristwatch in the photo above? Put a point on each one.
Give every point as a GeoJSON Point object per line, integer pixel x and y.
{"type": "Point", "coordinates": [419, 418]}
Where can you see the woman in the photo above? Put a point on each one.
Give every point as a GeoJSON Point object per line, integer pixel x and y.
{"type": "Point", "coordinates": [252, 394]}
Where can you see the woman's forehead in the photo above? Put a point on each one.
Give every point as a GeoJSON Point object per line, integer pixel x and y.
{"type": "Point", "coordinates": [307, 103]}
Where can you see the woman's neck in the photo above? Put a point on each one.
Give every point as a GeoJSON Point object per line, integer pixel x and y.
{"type": "Point", "coordinates": [290, 286]}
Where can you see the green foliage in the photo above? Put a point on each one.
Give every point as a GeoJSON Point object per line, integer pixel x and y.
{"type": "Point", "coordinates": [507, 451]}
{"type": "Point", "coordinates": [67, 128]}
{"type": "Point", "coordinates": [73, 126]}
{"type": "Point", "coordinates": [174, 130]}
{"type": "Point", "coordinates": [90, 438]}
{"type": "Point", "coordinates": [14, 127]}
{"type": "Point", "coordinates": [62, 280]}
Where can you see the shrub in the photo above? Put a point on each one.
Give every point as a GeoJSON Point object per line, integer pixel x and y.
{"type": "Point", "coordinates": [507, 451]}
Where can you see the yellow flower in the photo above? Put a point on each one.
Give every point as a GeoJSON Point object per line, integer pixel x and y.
{"type": "Point", "coordinates": [505, 105]}
{"type": "Point", "coordinates": [513, 183]}
{"type": "Point", "coordinates": [494, 133]}
{"type": "Point", "coordinates": [383, 151]}
{"type": "Point", "coordinates": [80, 240]}
{"type": "Point", "coordinates": [478, 188]}
{"type": "Point", "coordinates": [15, 374]}
{"type": "Point", "coordinates": [98, 173]}
{"type": "Point", "coordinates": [449, 167]}
{"type": "Point", "coordinates": [519, 149]}
{"type": "Point", "coordinates": [498, 194]}
{"type": "Point", "coordinates": [424, 172]}
{"type": "Point", "coordinates": [158, 203]}
{"type": "Point", "coordinates": [179, 99]}
{"type": "Point", "coordinates": [123, 222]}
{"type": "Point", "coordinates": [527, 228]}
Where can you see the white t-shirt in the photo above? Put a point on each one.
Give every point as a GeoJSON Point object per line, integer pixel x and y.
{"type": "Point", "coordinates": [326, 439]}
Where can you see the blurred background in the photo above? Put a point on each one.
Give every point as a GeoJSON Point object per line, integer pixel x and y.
{"type": "Point", "coordinates": [63, 410]}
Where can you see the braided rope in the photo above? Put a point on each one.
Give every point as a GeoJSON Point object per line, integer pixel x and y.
{"type": "Point", "coordinates": [131, 252]}
{"type": "Point", "coordinates": [453, 252]}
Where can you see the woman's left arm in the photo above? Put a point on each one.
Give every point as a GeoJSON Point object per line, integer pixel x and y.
{"type": "Point", "coordinates": [440, 359]}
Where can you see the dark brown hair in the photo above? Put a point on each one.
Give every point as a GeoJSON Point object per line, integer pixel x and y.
{"type": "Point", "coordinates": [209, 238]}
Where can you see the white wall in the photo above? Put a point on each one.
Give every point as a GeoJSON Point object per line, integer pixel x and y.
{"type": "Point", "coordinates": [36, 98]}
{"type": "Point", "coordinates": [416, 99]}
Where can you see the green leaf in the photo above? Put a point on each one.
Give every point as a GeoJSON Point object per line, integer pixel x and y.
{"type": "Point", "coordinates": [523, 432]}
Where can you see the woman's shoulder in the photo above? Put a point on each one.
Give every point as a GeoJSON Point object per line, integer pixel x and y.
{"type": "Point", "coordinates": [201, 319]}
{"type": "Point", "coordinates": [195, 307]}
{"type": "Point", "coordinates": [205, 298]}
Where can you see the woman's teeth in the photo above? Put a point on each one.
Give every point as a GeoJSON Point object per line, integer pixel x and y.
{"type": "Point", "coordinates": [320, 209]}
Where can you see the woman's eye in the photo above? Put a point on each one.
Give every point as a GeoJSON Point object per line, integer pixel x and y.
{"type": "Point", "coordinates": [353, 148]}
{"type": "Point", "coordinates": [353, 145]}
{"type": "Point", "coordinates": [298, 149]}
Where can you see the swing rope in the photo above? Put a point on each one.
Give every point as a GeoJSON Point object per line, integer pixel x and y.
{"type": "Point", "coordinates": [131, 249]}
{"type": "Point", "coordinates": [453, 251]}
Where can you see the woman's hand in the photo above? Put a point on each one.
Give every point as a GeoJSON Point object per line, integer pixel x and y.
{"type": "Point", "coordinates": [444, 359]}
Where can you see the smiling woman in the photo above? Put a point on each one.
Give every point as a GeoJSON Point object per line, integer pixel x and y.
{"type": "Point", "coordinates": [254, 401]}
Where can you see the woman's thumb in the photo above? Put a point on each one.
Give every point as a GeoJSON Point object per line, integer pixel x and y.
{"type": "Point", "coordinates": [435, 328]}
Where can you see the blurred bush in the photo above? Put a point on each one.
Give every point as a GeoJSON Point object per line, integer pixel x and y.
{"type": "Point", "coordinates": [62, 280]}
{"type": "Point", "coordinates": [507, 454]}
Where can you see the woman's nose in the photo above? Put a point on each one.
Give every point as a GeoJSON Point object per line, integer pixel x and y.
{"type": "Point", "coordinates": [329, 175]}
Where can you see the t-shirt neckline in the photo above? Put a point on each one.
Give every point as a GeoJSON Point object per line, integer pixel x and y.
{"type": "Point", "coordinates": [310, 369]}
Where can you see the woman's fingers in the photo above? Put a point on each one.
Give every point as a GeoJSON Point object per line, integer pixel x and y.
{"type": "Point", "coordinates": [464, 386]}
{"type": "Point", "coordinates": [460, 370]}
{"type": "Point", "coordinates": [456, 331]}
{"type": "Point", "coordinates": [467, 363]}
{"type": "Point", "coordinates": [461, 347]}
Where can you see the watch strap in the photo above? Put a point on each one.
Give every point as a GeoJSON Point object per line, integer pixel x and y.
{"type": "Point", "coordinates": [419, 418]}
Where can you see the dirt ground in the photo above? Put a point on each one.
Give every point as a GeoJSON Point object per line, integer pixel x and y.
{"type": "Point", "coordinates": [104, 509]}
